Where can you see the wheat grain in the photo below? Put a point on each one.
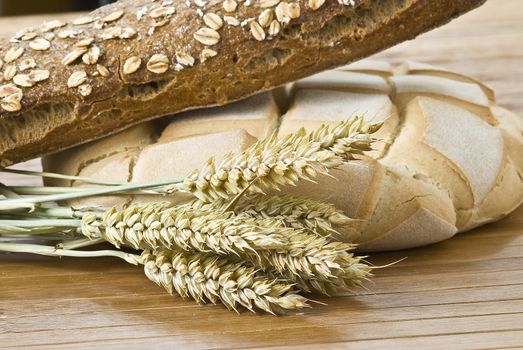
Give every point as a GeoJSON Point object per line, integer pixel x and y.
{"type": "Point", "coordinates": [211, 278]}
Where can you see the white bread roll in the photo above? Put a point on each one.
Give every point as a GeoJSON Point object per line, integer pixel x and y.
{"type": "Point", "coordinates": [449, 159]}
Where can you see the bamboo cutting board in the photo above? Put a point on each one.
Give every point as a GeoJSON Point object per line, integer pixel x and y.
{"type": "Point", "coordinates": [464, 293]}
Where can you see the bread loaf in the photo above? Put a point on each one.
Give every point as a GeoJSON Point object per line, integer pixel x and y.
{"type": "Point", "coordinates": [67, 83]}
{"type": "Point", "coordinates": [450, 158]}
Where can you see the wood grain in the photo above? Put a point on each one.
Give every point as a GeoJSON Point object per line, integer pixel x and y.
{"type": "Point", "coordinates": [466, 293]}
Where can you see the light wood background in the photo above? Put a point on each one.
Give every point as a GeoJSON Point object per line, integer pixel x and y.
{"type": "Point", "coordinates": [466, 293]}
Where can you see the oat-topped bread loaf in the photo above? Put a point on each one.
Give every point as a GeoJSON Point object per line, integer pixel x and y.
{"type": "Point", "coordinates": [67, 83]}
{"type": "Point", "coordinates": [450, 158]}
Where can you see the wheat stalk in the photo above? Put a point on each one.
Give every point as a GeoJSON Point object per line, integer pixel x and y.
{"type": "Point", "coordinates": [233, 244]}
{"type": "Point", "coordinates": [212, 278]}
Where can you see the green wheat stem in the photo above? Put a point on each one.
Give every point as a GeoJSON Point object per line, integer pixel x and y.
{"type": "Point", "coordinates": [31, 202]}
{"type": "Point", "coordinates": [57, 252]}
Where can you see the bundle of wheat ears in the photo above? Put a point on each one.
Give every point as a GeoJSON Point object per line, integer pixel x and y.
{"type": "Point", "coordinates": [238, 241]}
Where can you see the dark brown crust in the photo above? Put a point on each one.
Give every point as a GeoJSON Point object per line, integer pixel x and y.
{"type": "Point", "coordinates": [318, 40]}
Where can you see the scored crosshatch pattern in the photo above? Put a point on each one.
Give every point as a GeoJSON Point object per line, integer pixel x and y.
{"type": "Point", "coordinates": [440, 167]}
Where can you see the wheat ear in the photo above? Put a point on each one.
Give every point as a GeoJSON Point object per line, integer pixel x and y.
{"type": "Point", "coordinates": [268, 164]}
{"type": "Point", "coordinates": [347, 139]}
{"type": "Point", "coordinates": [211, 278]}
{"type": "Point", "coordinates": [272, 163]}
{"type": "Point", "coordinates": [296, 212]}
{"type": "Point", "coordinates": [315, 264]}
{"type": "Point", "coordinates": [164, 226]}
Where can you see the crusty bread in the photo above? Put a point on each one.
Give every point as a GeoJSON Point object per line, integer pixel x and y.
{"type": "Point", "coordinates": [135, 60]}
{"type": "Point", "coordinates": [450, 158]}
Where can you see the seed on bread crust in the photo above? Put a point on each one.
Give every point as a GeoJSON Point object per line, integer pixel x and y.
{"type": "Point", "coordinates": [185, 59]}
{"type": "Point", "coordinates": [257, 31]}
{"type": "Point", "coordinates": [84, 20]}
{"type": "Point", "coordinates": [26, 64]}
{"type": "Point", "coordinates": [232, 21]}
{"type": "Point", "coordinates": [230, 5]}
{"type": "Point", "coordinates": [206, 54]}
{"type": "Point", "coordinates": [40, 44]}
{"type": "Point", "coordinates": [72, 56]}
{"type": "Point", "coordinates": [207, 36]}
{"type": "Point", "coordinates": [11, 103]}
{"type": "Point", "coordinates": [162, 12]}
{"type": "Point", "coordinates": [127, 33]}
{"type": "Point", "coordinates": [294, 10]}
{"type": "Point", "coordinates": [282, 12]}
{"type": "Point", "coordinates": [76, 79]}
{"type": "Point", "coordinates": [268, 3]}
{"type": "Point", "coordinates": [212, 20]}
{"type": "Point", "coordinates": [92, 55]}
{"type": "Point", "coordinates": [23, 80]}
{"type": "Point", "coordinates": [28, 36]}
{"type": "Point", "coordinates": [274, 28]}
{"type": "Point", "coordinates": [8, 89]}
{"type": "Point", "coordinates": [84, 42]}
{"type": "Point", "coordinates": [131, 65]}
{"type": "Point", "coordinates": [51, 25]}
{"type": "Point", "coordinates": [104, 72]}
{"type": "Point", "coordinates": [10, 96]}
{"type": "Point", "coordinates": [13, 54]}
{"type": "Point", "coordinates": [114, 16]}
{"type": "Point", "coordinates": [38, 75]}
{"type": "Point", "coordinates": [85, 89]}
{"type": "Point", "coordinates": [316, 4]}
{"type": "Point", "coordinates": [158, 64]}
{"type": "Point", "coordinates": [265, 18]}
{"type": "Point", "coordinates": [9, 71]}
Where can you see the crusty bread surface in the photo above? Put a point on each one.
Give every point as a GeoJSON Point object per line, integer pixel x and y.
{"type": "Point", "coordinates": [449, 159]}
{"type": "Point", "coordinates": [64, 84]}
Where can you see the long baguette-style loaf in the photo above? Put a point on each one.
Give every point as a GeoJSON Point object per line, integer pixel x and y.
{"type": "Point", "coordinates": [450, 158]}
{"type": "Point", "coordinates": [67, 83]}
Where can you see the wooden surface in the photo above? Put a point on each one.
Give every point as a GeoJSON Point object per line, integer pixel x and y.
{"type": "Point", "coordinates": [463, 293]}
